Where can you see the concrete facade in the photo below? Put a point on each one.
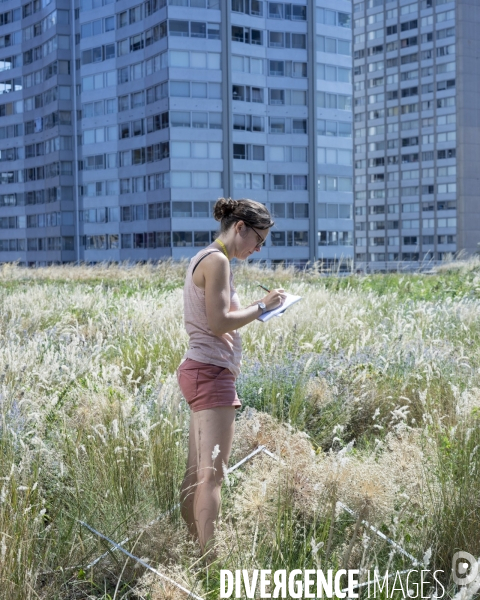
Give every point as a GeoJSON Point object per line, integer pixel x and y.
{"type": "Point", "coordinates": [414, 70]}
{"type": "Point", "coordinates": [122, 122]}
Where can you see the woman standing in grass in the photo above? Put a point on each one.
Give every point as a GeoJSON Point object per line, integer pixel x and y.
{"type": "Point", "coordinates": [212, 363]}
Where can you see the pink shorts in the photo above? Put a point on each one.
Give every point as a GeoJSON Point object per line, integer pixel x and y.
{"type": "Point", "coordinates": [207, 386]}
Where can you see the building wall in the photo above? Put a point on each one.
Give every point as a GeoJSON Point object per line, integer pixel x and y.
{"type": "Point", "coordinates": [405, 92]}
{"type": "Point", "coordinates": [468, 131]}
{"type": "Point", "coordinates": [176, 104]}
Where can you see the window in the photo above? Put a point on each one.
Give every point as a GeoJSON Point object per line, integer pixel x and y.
{"type": "Point", "coordinates": [246, 64]}
{"type": "Point", "coordinates": [333, 73]}
{"type": "Point", "coordinates": [248, 152]}
{"type": "Point", "coordinates": [247, 35]}
{"type": "Point", "coordinates": [247, 93]}
{"type": "Point", "coordinates": [248, 123]}
{"type": "Point", "coordinates": [249, 7]}
{"type": "Point", "coordinates": [332, 17]}
{"type": "Point", "coordinates": [250, 181]}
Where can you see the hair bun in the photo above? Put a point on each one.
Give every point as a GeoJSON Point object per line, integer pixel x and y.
{"type": "Point", "coordinates": [224, 207]}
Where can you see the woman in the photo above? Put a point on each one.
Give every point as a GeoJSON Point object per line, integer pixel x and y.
{"type": "Point", "coordinates": [212, 363]}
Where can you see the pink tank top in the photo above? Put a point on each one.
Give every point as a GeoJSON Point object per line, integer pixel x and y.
{"type": "Point", "coordinates": [222, 350]}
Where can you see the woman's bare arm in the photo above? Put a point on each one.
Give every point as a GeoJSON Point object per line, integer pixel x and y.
{"type": "Point", "coordinates": [216, 272]}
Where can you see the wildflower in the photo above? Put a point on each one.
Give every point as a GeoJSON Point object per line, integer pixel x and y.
{"type": "Point", "coordinates": [426, 557]}
{"type": "Point", "coordinates": [225, 474]}
{"type": "Point", "coordinates": [216, 451]}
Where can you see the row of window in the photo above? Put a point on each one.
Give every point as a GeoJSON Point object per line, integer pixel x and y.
{"type": "Point", "coordinates": [361, 180]}
{"type": "Point", "coordinates": [276, 10]}
{"type": "Point", "coordinates": [334, 211]}
{"type": "Point", "coordinates": [32, 7]}
{"type": "Point", "coordinates": [335, 238]}
{"type": "Point", "coordinates": [11, 39]}
{"type": "Point", "coordinates": [36, 173]}
{"type": "Point", "coordinates": [61, 117]}
{"type": "Point", "coordinates": [111, 241]}
{"type": "Point", "coordinates": [57, 67]}
{"type": "Point", "coordinates": [11, 85]}
{"type": "Point", "coordinates": [97, 54]}
{"type": "Point", "coordinates": [415, 190]}
{"type": "Point", "coordinates": [406, 109]}
{"type": "Point", "coordinates": [407, 158]}
{"type": "Point", "coordinates": [192, 29]}
{"type": "Point", "coordinates": [449, 119]}
{"type": "Point", "coordinates": [412, 224]}
{"type": "Point", "coordinates": [276, 39]}
{"type": "Point", "coordinates": [114, 187]}
{"type": "Point", "coordinates": [404, 75]}
{"type": "Point", "coordinates": [279, 182]}
{"type": "Point", "coordinates": [407, 26]}
{"type": "Point", "coordinates": [30, 56]}
{"type": "Point", "coordinates": [425, 190]}
{"type": "Point", "coordinates": [12, 131]}
{"type": "Point", "coordinates": [40, 149]}
{"type": "Point", "coordinates": [152, 6]}
{"type": "Point", "coordinates": [36, 244]}
{"type": "Point", "coordinates": [130, 16]}
{"type": "Point", "coordinates": [57, 42]}
{"type": "Point", "coordinates": [52, 219]}
{"type": "Point", "coordinates": [360, 6]}
{"type": "Point", "coordinates": [412, 240]}
{"type": "Point", "coordinates": [57, 17]}
{"type": "Point", "coordinates": [126, 158]}
{"type": "Point", "coordinates": [289, 210]}
{"type": "Point", "coordinates": [381, 209]}
{"type": "Point", "coordinates": [447, 188]}
{"type": "Point", "coordinates": [97, 27]}
{"type": "Point", "coordinates": [327, 183]}
{"type": "Point", "coordinates": [404, 256]}
{"type": "Point", "coordinates": [61, 92]}
{"type": "Point", "coordinates": [200, 120]}
{"type": "Point", "coordinates": [426, 139]}
{"type": "Point", "coordinates": [393, 12]}
{"type": "Point", "coordinates": [183, 239]}
{"type": "Point", "coordinates": [179, 209]}
{"type": "Point", "coordinates": [141, 212]}
{"type": "Point", "coordinates": [410, 174]}
{"type": "Point", "coordinates": [37, 197]}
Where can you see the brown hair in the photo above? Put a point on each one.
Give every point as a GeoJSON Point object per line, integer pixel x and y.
{"type": "Point", "coordinates": [253, 213]}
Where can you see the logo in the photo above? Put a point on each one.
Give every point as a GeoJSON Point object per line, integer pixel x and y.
{"type": "Point", "coordinates": [464, 568]}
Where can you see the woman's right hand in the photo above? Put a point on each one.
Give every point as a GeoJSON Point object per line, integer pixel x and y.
{"type": "Point", "coordinates": [274, 298]}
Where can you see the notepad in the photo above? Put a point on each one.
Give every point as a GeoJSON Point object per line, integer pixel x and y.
{"type": "Point", "coordinates": [278, 312]}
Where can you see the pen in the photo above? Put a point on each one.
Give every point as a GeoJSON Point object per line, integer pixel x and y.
{"type": "Point", "coordinates": [263, 287]}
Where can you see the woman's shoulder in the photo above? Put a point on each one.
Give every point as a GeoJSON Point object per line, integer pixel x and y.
{"type": "Point", "coordinates": [209, 260]}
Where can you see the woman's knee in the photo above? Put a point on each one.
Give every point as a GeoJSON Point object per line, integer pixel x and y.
{"type": "Point", "coordinates": [210, 476]}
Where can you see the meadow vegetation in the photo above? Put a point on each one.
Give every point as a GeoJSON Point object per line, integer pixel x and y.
{"type": "Point", "coordinates": [368, 390]}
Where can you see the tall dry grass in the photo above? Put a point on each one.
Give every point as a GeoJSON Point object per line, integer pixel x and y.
{"type": "Point", "coordinates": [369, 397]}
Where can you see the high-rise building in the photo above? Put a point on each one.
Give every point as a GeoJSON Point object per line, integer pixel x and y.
{"type": "Point", "coordinates": [122, 122]}
{"type": "Point", "coordinates": [416, 148]}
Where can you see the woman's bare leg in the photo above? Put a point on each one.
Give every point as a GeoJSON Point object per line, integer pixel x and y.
{"type": "Point", "coordinates": [187, 490]}
{"type": "Point", "coordinates": [213, 427]}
